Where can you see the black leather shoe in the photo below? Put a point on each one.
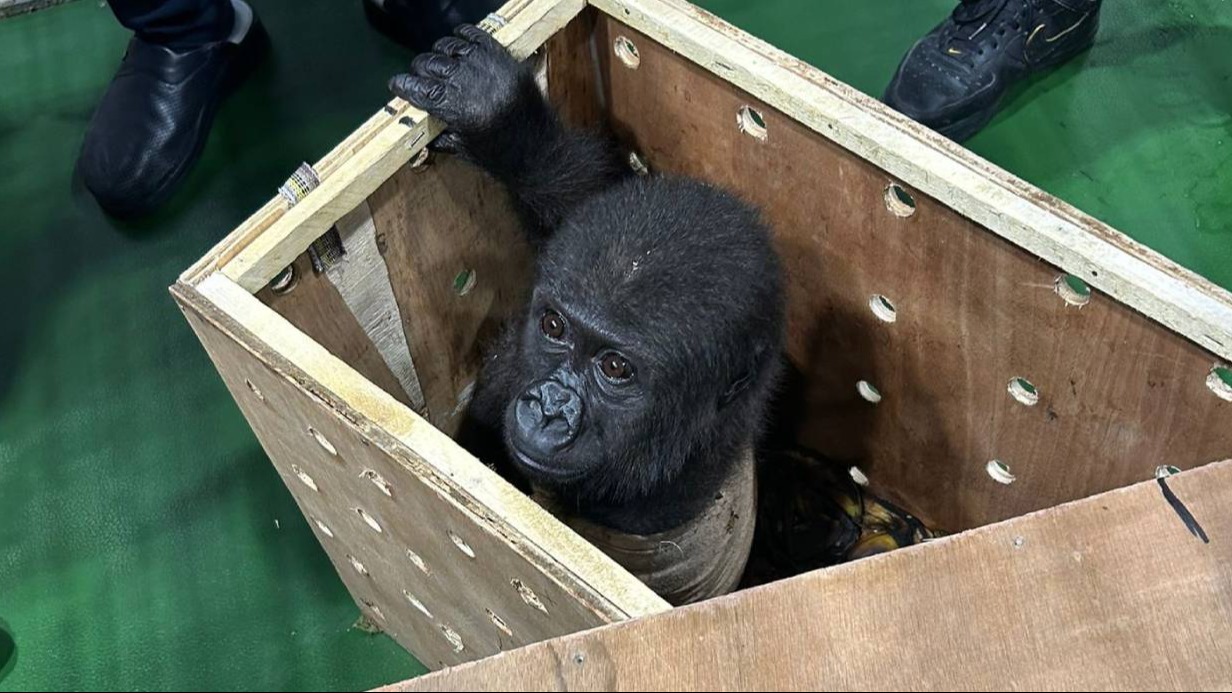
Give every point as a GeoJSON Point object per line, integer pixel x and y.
{"type": "Point", "coordinates": [954, 78]}
{"type": "Point", "coordinates": [152, 123]}
{"type": "Point", "coordinates": [417, 24]}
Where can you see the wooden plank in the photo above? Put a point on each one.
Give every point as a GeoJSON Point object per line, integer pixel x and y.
{"type": "Point", "coordinates": [1117, 393]}
{"type": "Point", "coordinates": [314, 306]}
{"type": "Point", "coordinates": [573, 75]}
{"type": "Point", "coordinates": [459, 265]}
{"type": "Point", "coordinates": [577, 584]}
{"type": "Point", "coordinates": [925, 161]}
{"type": "Point", "coordinates": [267, 243]}
{"type": "Point", "coordinates": [1109, 593]}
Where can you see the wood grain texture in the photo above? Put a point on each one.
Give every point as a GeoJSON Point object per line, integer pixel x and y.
{"type": "Point", "coordinates": [533, 573]}
{"type": "Point", "coordinates": [1118, 393]}
{"type": "Point", "coordinates": [1108, 593]}
{"type": "Point", "coordinates": [574, 90]}
{"type": "Point", "coordinates": [434, 224]}
{"type": "Point", "coordinates": [316, 307]}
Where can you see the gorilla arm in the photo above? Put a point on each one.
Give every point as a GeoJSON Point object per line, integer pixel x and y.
{"type": "Point", "coordinates": [498, 119]}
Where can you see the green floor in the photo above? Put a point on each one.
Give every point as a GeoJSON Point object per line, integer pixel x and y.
{"type": "Point", "coordinates": [145, 543]}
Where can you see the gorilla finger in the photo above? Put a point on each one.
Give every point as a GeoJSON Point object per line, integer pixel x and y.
{"type": "Point", "coordinates": [434, 65]}
{"type": "Point", "coordinates": [453, 47]}
{"type": "Point", "coordinates": [479, 37]}
{"type": "Point", "coordinates": [424, 92]}
{"type": "Point", "coordinates": [448, 143]}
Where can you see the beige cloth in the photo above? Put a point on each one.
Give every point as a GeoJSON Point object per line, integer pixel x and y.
{"type": "Point", "coordinates": [703, 558]}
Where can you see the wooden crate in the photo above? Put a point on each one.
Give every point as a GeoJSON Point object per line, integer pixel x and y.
{"type": "Point", "coordinates": [1075, 569]}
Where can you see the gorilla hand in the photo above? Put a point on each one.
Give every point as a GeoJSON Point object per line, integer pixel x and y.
{"type": "Point", "coordinates": [473, 84]}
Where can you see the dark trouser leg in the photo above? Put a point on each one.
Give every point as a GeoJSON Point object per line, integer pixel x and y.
{"type": "Point", "coordinates": [176, 23]}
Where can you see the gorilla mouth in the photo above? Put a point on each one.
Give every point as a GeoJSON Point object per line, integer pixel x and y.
{"type": "Point", "coordinates": [539, 469]}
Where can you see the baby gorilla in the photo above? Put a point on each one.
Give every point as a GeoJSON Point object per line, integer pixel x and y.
{"type": "Point", "coordinates": [637, 378]}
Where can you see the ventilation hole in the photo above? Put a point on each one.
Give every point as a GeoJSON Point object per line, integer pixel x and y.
{"type": "Point", "coordinates": [321, 440]}
{"type": "Point", "coordinates": [8, 651]}
{"type": "Point", "coordinates": [579, 659]}
{"type": "Point", "coordinates": [1022, 390]}
{"type": "Point", "coordinates": [324, 529]}
{"type": "Point", "coordinates": [419, 562]}
{"type": "Point", "coordinates": [868, 392]}
{"type": "Point", "coordinates": [1019, 542]}
{"type": "Point", "coordinates": [303, 476]}
{"type": "Point", "coordinates": [1166, 470]}
{"type": "Point", "coordinates": [751, 122]}
{"type": "Point", "coordinates": [370, 520]}
{"type": "Point", "coordinates": [422, 159]}
{"type": "Point", "coordinates": [858, 476]}
{"type": "Point", "coordinates": [378, 481]}
{"type": "Point", "coordinates": [899, 201]}
{"type": "Point", "coordinates": [462, 545]}
{"type": "Point", "coordinates": [528, 595]}
{"type": "Point", "coordinates": [254, 389]}
{"type": "Point", "coordinates": [499, 623]}
{"type": "Point", "coordinates": [999, 472]}
{"type": "Point", "coordinates": [463, 282]}
{"type": "Point", "coordinates": [284, 281]}
{"type": "Point", "coordinates": [416, 603]}
{"type": "Point", "coordinates": [376, 610]}
{"type": "Point", "coordinates": [455, 640]}
{"type": "Point", "coordinates": [359, 567]}
{"type": "Point", "coordinates": [1073, 290]}
{"type": "Point", "coordinates": [1220, 382]}
{"type": "Point", "coordinates": [638, 164]}
{"type": "Point", "coordinates": [883, 308]}
{"type": "Point", "coordinates": [627, 52]}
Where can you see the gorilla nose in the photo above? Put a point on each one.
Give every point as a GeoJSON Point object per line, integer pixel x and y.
{"type": "Point", "coordinates": [548, 415]}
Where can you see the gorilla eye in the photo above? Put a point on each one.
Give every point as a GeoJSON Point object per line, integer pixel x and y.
{"type": "Point", "coordinates": [615, 367]}
{"type": "Point", "coordinates": [552, 325]}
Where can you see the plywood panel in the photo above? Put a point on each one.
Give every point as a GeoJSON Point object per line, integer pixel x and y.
{"type": "Point", "coordinates": [1110, 593]}
{"type": "Point", "coordinates": [314, 306]}
{"type": "Point", "coordinates": [435, 223]}
{"type": "Point", "coordinates": [446, 583]}
{"type": "Point", "coordinates": [1118, 394]}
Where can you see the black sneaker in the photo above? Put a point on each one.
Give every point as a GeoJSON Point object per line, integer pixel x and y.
{"type": "Point", "coordinates": [417, 24]}
{"type": "Point", "coordinates": [153, 121]}
{"type": "Point", "coordinates": [953, 79]}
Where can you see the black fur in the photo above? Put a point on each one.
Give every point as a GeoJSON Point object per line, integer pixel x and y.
{"type": "Point", "coordinates": [673, 277]}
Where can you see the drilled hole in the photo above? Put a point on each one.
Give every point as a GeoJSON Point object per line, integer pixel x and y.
{"type": "Point", "coordinates": [899, 201]}
{"type": "Point", "coordinates": [1072, 290]}
{"type": "Point", "coordinates": [455, 640]}
{"type": "Point", "coordinates": [8, 651]}
{"type": "Point", "coordinates": [369, 520]}
{"type": "Point", "coordinates": [499, 623]}
{"type": "Point", "coordinates": [422, 159]}
{"type": "Point", "coordinates": [416, 603]}
{"type": "Point", "coordinates": [1220, 382]}
{"type": "Point", "coordinates": [1166, 470]}
{"type": "Point", "coordinates": [284, 281]}
{"type": "Point", "coordinates": [322, 441]}
{"type": "Point", "coordinates": [1000, 472]}
{"type": "Point", "coordinates": [858, 476]}
{"type": "Point", "coordinates": [303, 477]}
{"type": "Point", "coordinates": [359, 567]}
{"type": "Point", "coordinates": [324, 529]}
{"type": "Point", "coordinates": [868, 392]}
{"type": "Point", "coordinates": [627, 52]}
{"type": "Point", "coordinates": [638, 164]}
{"type": "Point", "coordinates": [1022, 390]}
{"type": "Point", "coordinates": [254, 389]}
{"type": "Point", "coordinates": [419, 562]}
{"type": "Point", "coordinates": [751, 122]}
{"type": "Point", "coordinates": [462, 545]}
{"type": "Point", "coordinates": [883, 308]}
{"type": "Point", "coordinates": [378, 481]}
{"type": "Point", "coordinates": [528, 595]}
{"type": "Point", "coordinates": [463, 282]}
